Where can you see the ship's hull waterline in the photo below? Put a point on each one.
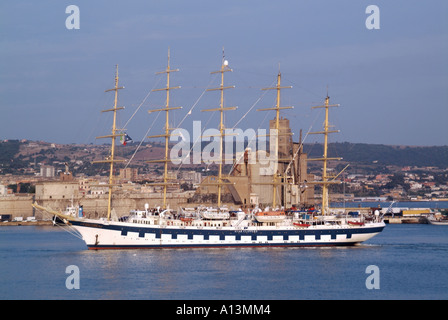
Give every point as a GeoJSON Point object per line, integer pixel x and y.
{"type": "Point", "coordinates": [120, 235]}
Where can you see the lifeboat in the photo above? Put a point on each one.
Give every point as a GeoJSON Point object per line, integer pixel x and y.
{"type": "Point", "coordinates": [215, 214]}
{"type": "Point", "coordinates": [270, 216]}
{"type": "Point", "coordinates": [355, 223]}
{"type": "Point", "coordinates": [301, 225]}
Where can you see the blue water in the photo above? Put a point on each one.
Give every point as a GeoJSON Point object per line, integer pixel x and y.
{"type": "Point", "coordinates": [412, 262]}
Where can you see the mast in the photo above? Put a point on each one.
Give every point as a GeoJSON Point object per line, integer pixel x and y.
{"type": "Point", "coordinates": [111, 159]}
{"type": "Point", "coordinates": [277, 109]}
{"type": "Point", "coordinates": [325, 177]}
{"type": "Point", "coordinates": [166, 135]}
{"type": "Point", "coordinates": [224, 68]}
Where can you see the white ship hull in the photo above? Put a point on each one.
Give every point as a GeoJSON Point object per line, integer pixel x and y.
{"type": "Point", "coordinates": [120, 235]}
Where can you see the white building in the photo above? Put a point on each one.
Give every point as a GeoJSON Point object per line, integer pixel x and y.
{"type": "Point", "coordinates": [3, 190]}
{"type": "Point", "coordinates": [47, 171]}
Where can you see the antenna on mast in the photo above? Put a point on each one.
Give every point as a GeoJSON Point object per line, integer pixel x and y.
{"type": "Point", "coordinates": [223, 55]}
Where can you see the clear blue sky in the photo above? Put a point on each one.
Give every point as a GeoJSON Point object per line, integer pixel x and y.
{"type": "Point", "coordinates": [392, 83]}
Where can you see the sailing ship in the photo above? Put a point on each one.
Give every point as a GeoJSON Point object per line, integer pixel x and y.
{"type": "Point", "coordinates": [208, 227]}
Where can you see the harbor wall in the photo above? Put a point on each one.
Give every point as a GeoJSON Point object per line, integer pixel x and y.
{"type": "Point", "coordinates": [94, 206]}
{"type": "Point", "coordinates": [17, 206]}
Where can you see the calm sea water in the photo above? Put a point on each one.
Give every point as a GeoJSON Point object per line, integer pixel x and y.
{"type": "Point", "coordinates": [412, 262]}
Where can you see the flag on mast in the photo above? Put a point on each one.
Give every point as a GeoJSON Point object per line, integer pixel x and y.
{"type": "Point", "coordinates": [125, 139]}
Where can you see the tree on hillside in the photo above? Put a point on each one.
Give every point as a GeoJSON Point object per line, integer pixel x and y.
{"type": "Point", "coordinates": [397, 180]}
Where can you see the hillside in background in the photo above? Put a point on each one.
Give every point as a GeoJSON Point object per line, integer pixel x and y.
{"type": "Point", "coordinates": [362, 153]}
{"type": "Point", "coordinates": [25, 157]}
